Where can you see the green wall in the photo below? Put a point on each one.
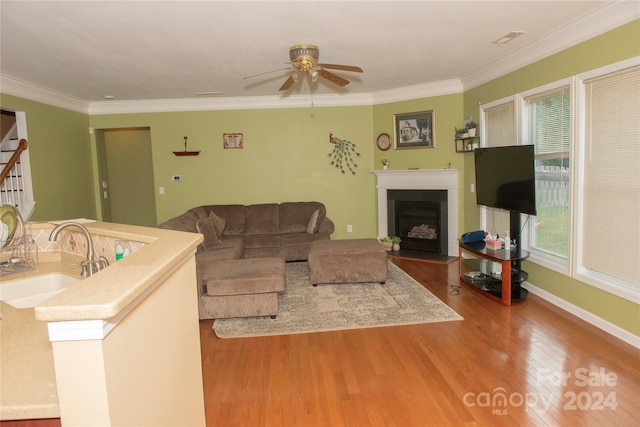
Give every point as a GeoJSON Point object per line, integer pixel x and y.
{"type": "Point", "coordinates": [614, 46]}
{"type": "Point", "coordinates": [285, 158]}
{"type": "Point", "coordinates": [448, 113]}
{"type": "Point", "coordinates": [61, 160]}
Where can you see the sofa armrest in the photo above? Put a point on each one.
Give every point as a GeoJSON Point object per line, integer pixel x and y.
{"type": "Point", "coordinates": [326, 226]}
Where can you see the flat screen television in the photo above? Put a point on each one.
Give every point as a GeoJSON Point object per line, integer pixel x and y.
{"type": "Point", "coordinates": [505, 178]}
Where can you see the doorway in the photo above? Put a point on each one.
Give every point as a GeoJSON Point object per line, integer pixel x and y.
{"type": "Point", "coordinates": [125, 168]}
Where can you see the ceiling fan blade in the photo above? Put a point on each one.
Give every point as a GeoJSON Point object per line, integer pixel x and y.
{"type": "Point", "coordinates": [287, 83]}
{"type": "Point", "coordinates": [266, 72]}
{"type": "Point", "coordinates": [342, 67]}
{"type": "Point", "coordinates": [333, 77]}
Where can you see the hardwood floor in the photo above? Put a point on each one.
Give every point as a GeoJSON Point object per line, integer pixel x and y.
{"type": "Point", "coordinates": [530, 364]}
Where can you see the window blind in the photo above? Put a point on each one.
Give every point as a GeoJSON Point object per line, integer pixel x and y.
{"type": "Point", "coordinates": [500, 131]}
{"type": "Point", "coordinates": [547, 125]}
{"type": "Point", "coordinates": [611, 176]}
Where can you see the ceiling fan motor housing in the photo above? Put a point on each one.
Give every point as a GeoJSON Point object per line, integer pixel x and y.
{"type": "Point", "coordinates": [304, 56]}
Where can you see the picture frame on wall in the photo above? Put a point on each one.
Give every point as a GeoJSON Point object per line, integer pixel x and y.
{"type": "Point", "coordinates": [233, 140]}
{"type": "Point", "coordinates": [414, 130]}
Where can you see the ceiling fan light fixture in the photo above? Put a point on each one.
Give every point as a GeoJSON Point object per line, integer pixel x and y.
{"type": "Point", "coordinates": [295, 76]}
{"type": "Point", "coordinates": [304, 56]}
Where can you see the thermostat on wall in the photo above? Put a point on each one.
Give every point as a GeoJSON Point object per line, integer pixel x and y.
{"type": "Point", "coordinates": [175, 178]}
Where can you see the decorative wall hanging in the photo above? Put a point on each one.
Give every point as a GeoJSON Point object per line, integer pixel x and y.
{"type": "Point", "coordinates": [415, 130]}
{"type": "Point", "coordinates": [185, 152]}
{"type": "Point", "coordinates": [233, 140]}
{"type": "Point", "coordinates": [341, 156]}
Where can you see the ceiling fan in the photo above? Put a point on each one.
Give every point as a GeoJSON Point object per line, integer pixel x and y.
{"type": "Point", "coordinates": [304, 60]}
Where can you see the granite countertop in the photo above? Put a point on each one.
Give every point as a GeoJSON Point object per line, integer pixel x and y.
{"type": "Point", "coordinates": [27, 376]}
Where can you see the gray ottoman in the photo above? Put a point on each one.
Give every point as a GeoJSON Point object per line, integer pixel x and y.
{"type": "Point", "coordinates": [347, 261]}
{"type": "Point", "coordinates": [242, 288]}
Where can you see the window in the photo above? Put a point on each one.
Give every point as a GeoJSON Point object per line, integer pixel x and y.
{"type": "Point", "coordinates": [546, 123]}
{"type": "Point", "coordinates": [609, 196]}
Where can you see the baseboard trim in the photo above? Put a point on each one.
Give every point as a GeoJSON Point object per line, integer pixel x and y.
{"type": "Point", "coordinates": [585, 315]}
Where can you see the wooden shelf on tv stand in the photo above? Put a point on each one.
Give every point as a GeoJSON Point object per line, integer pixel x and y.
{"type": "Point", "coordinates": [505, 258]}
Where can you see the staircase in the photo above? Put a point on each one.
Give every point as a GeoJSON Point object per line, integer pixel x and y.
{"type": "Point", "coordinates": [15, 173]}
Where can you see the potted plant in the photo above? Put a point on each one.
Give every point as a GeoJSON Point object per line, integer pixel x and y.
{"type": "Point", "coordinates": [385, 163]}
{"type": "Point", "coordinates": [472, 127]}
{"type": "Point", "coordinates": [386, 242]}
{"type": "Point", "coordinates": [461, 133]}
{"type": "Point", "coordinates": [396, 243]}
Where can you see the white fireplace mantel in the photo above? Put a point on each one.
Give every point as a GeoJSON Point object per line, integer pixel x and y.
{"type": "Point", "coordinates": [421, 179]}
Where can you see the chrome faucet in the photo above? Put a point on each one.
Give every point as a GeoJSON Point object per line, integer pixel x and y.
{"type": "Point", "coordinates": [89, 265]}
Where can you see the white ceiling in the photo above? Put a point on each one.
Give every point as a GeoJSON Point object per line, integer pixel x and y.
{"type": "Point", "coordinates": [148, 50]}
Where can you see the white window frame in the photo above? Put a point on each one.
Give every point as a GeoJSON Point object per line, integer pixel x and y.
{"type": "Point", "coordinates": [571, 266]}
{"type": "Point", "coordinates": [614, 286]}
{"type": "Point", "coordinates": [543, 258]}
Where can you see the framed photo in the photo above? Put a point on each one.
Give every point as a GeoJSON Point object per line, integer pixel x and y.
{"type": "Point", "coordinates": [232, 140]}
{"type": "Point", "coordinates": [414, 130]}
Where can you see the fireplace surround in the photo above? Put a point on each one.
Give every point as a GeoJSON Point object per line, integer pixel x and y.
{"type": "Point", "coordinates": [421, 179]}
{"type": "Point", "coordinates": [419, 218]}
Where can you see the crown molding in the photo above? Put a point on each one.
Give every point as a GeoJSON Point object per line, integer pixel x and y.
{"type": "Point", "coordinates": [444, 87]}
{"type": "Point", "coordinates": [228, 103]}
{"type": "Point", "coordinates": [610, 16]}
{"type": "Point", "coordinates": [426, 90]}
{"type": "Point", "coordinates": [16, 87]}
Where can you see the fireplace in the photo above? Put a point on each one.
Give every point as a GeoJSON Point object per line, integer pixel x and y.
{"type": "Point", "coordinates": [422, 179]}
{"type": "Point", "coordinates": [419, 218]}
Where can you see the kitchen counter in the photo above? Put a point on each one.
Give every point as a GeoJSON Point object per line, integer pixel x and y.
{"type": "Point", "coordinates": [27, 380]}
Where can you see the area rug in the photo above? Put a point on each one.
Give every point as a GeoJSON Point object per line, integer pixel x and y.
{"type": "Point", "coordinates": [304, 308]}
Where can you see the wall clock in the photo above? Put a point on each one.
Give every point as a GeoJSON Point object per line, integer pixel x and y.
{"type": "Point", "coordinates": [383, 141]}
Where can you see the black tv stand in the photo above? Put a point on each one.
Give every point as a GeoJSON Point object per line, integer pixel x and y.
{"type": "Point", "coordinates": [504, 287]}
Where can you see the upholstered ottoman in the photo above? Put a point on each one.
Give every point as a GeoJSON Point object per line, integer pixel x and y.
{"type": "Point", "coordinates": [347, 261]}
{"type": "Point", "coordinates": [242, 288]}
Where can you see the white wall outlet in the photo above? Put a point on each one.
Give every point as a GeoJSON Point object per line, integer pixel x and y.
{"type": "Point", "coordinates": [473, 188]}
{"type": "Point", "coordinates": [161, 190]}
{"type": "Point", "coordinates": [349, 228]}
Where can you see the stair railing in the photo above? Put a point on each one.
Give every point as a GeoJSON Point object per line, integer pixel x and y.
{"type": "Point", "coordinates": [10, 170]}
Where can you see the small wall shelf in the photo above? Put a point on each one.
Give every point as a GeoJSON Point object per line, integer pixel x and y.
{"type": "Point", "coordinates": [465, 145]}
{"type": "Point", "coordinates": [186, 153]}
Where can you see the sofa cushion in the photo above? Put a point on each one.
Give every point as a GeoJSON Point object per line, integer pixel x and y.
{"type": "Point", "coordinates": [206, 227]}
{"type": "Point", "coordinates": [263, 241]}
{"type": "Point", "coordinates": [243, 276]}
{"type": "Point", "coordinates": [261, 219]}
{"type": "Point", "coordinates": [223, 251]}
{"type": "Point", "coordinates": [184, 222]}
{"type": "Point", "coordinates": [295, 216]}
{"type": "Point", "coordinates": [234, 216]}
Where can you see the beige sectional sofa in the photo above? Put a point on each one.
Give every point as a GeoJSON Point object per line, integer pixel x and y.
{"type": "Point", "coordinates": [231, 232]}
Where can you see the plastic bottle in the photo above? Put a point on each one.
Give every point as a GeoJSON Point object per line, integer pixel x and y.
{"type": "Point", "coordinates": [507, 242]}
{"type": "Point", "coordinates": [119, 249]}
